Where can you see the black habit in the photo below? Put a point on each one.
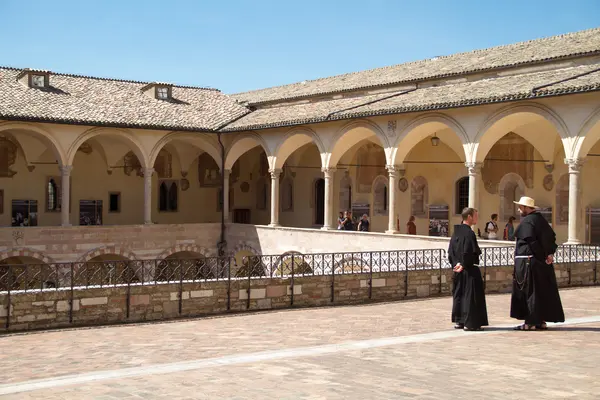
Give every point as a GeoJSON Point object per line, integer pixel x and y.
{"type": "Point", "coordinates": [468, 307]}
{"type": "Point", "coordinates": [535, 297]}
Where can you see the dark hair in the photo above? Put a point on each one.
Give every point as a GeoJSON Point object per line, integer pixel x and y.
{"type": "Point", "coordinates": [468, 212]}
{"type": "Point", "coordinates": [494, 216]}
{"type": "Point", "coordinates": [511, 219]}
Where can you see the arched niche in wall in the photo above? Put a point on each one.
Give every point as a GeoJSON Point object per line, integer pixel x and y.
{"type": "Point", "coordinates": [419, 193]}
{"type": "Point", "coordinates": [287, 194]}
{"type": "Point", "coordinates": [380, 196]}
{"type": "Point", "coordinates": [345, 198]}
{"type": "Point", "coordinates": [163, 166]}
{"type": "Point", "coordinates": [370, 160]}
{"type": "Point", "coordinates": [461, 192]}
{"type": "Point", "coordinates": [562, 200]}
{"type": "Point", "coordinates": [510, 189]}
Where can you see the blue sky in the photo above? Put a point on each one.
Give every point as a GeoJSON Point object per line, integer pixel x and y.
{"type": "Point", "coordinates": [242, 45]}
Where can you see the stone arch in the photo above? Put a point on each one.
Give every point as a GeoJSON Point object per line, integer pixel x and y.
{"type": "Point", "coordinates": [202, 141]}
{"type": "Point", "coordinates": [486, 138]}
{"type": "Point", "coordinates": [292, 141]}
{"type": "Point", "coordinates": [242, 144]}
{"type": "Point", "coordinates": [562, 200]}
{"type": "Point", "coordinates": [351, 264]}
{"type": "Point", "coordinates": [588, 135]}
{"type": "Point", "coordinates": [107, 250]}
{"type": "Point", "coordinates": [510, 189]}
{"type": "Point", "coordinates": [283, 264]}
{"type": "Point", "coordinates": [191, 248]}
{"type": "Point", "coordinates": [380, 195]}
{"type": "Point", "coordinates": [122, 134]}
{"type": "Point", "coordinates": [351, 134]}
{"type": "Point", "coordinates": [421, 127]}
{"type": "Point", "coordinates": [27, 252]}
{"type": "Point", "coordinates": [39, 133]}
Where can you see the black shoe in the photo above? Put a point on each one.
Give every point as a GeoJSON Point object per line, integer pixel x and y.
{"type": "Point", "coordinates": [473, 329]}
{"type": "Point", "coordinates": [459, 326]}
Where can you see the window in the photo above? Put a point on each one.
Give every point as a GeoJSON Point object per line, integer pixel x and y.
{"type": "Point", "coordinates": [114, 202]}
{"type": "Point", "coordinates": [1, 201]}
{"type": "Point", "coordinates": [462, 194]}
{"type": "Point", "coordinates": [52, 204]}
{"type": "Point", "coordinates": [24, 213]}
{"type": "Point", "coordinates": [380, 194]}
{"type": "Point", "coordinates": [168, 194]}
{"type": "Point", "coordinates": [38, 81]}
{"type": "Point", "coordinates": [262, 194]}
{"type": "Point", "coordinates": [90, 212]}
{"type": "Point", "coordinates": [162, 93]}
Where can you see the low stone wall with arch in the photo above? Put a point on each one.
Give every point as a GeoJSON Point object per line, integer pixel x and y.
{"type": "Point", "coordinates": [26, 252]}
{"type": "Point", "coordinates": [108, 250]}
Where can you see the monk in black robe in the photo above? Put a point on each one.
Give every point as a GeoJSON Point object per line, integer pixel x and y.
{"type": "Point", "coordinates": [535, 296]}
{"type": "Point", "coordinates": [469, 311]}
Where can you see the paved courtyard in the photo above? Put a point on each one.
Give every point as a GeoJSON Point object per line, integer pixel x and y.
{"type": "Point", "coordinates": [392, 350]}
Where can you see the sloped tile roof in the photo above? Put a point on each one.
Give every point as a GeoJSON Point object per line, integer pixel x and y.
{"type": "Point", "coordinates": [96, 101]}
{"type": "Point", "coordinates": [493, 90]}
{"type": "Point", "coordinates": [535, 51]}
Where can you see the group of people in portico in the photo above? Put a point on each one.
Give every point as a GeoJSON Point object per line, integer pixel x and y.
{"type": "Point", "coordinates": [535, 297]}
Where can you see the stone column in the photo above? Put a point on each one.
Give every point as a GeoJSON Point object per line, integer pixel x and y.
{"type": "Point", "coordinates": [575, 166]}
{"type": "Point", "coordinates": [148, 195]}
{"type": "Point", "coordinates": [226, 195]}
{"type": "Point", "coordinates": [474, 178]}
{"type": "Point", "coordinates": [392, 176]}
{"type": "Point", "coordinates": [329, 174]}
{"type": "Point", "coordinates": [275, 196]}
{"type": "Point", "coordinates": [65, 208]}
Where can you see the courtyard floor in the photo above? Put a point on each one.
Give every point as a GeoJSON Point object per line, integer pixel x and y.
{"type": "Point", "coordinates": [387, 350]}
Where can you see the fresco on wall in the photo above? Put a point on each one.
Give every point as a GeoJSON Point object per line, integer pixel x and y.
{"type": "Point", "coordinates": [498, 162]}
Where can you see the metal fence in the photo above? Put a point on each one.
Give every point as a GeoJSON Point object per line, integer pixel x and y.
{"type": "Point", "coordinates": [57, 276]}
{"type": "Point", "coordinates": [33, 278]}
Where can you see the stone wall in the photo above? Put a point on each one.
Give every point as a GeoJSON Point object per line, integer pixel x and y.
{"type": "Point", "coordinates": [64, 308]}
{"type": "Point", "coordinates": [146, 242]}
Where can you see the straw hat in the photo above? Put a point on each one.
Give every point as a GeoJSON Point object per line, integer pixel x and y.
{"type": "Point", "coordinates": [526, 201]}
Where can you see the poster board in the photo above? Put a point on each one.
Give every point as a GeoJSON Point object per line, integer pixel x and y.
{"type": "Point", "coordinates": [439, 220]}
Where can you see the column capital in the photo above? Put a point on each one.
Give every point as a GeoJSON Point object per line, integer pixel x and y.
{"type": "Point", "coordinates": [147, 171]}
{"type": "Point", "coordinates": [275, 172]}
{"type": "Point", "coordinates": [65, 170]}
{"type": "Point", "coordinates": [328, 171]}
{"type": "Point", "coordinates": [474, 168]}
{"type": "Point", "coordinates": [575, 164]}
{"type": "Point", "coordinates": [392, 170]}
{"type": "Point", "coordinates": [227, 172]}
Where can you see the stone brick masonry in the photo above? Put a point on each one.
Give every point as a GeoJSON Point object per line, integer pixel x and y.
{"type": "Point", "coordinates": [93, 306]}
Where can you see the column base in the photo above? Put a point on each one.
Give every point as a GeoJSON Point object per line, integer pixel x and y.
{"type": "Point", "coordinates": [573, 242]}
{"type": "Point", "coordinates": [66, 225]}
{"type": "Point", "coordinates": [274, 225]}
{"type": "Point", "coordinates": [327, 228]}
{"type": "Point", "coordinates": [148, 223]}
{"type": "Point", "coordinates": [392, 232]}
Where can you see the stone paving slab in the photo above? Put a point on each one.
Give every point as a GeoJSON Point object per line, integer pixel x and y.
{"type": "Point", "coordinates": [439, 362]}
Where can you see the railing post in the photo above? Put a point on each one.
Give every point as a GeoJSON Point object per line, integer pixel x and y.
{"type": "Point", "coordinates": [128, 296]}
{"type": "Point", "coordinates": [228, 283]}
{"type": "Point", "coordinates": [405, 273]}
{"type": "Point", "coordinates": [569, 264]}
{"type": "Point", "coordinates": [9, 287]}
{"type": "Point", "coordinates": [291, 283]}
{"type": "Point", "coordinates": [370, 274]}
{"type": "Point", "coordinates": [332, 277]}
{"type": "Point", "coordinates": [180, 286]}
{"type": "Point", "coordinates": [440, 261]}
{"type": "Point", "coordinates": [71, 300]}
{"type": "Point", "coordinates": [595, 265]}
{"type": "Point", "coordinates": [250, 268]}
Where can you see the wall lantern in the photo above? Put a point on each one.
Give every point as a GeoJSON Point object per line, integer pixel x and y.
{"type": "Point", "coordinates": [435, 141]}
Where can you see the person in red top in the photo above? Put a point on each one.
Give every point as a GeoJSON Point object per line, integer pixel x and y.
{"type": "Point", "coordinates": [411, 228]}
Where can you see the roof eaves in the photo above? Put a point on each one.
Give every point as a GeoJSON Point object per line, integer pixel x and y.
{"type": "Point", "coordinates": [422, 79]}
{"type": "Point", "coordinates": [428, 107]}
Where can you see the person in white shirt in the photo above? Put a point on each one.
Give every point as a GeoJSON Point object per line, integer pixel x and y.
{"type": "Point", "coordinates": [491, 228]}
